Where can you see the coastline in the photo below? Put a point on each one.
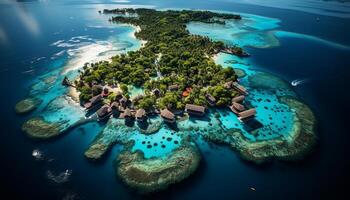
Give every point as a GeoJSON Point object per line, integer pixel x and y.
{"type": "Point", "coordinates": [136, 30]}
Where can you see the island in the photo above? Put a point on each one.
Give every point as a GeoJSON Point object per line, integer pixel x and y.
{"type": "Point", "coordinates": [158, 100]}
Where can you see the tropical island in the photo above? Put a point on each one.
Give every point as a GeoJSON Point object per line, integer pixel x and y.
{"type": "Point", "coordinates": [185, 94]}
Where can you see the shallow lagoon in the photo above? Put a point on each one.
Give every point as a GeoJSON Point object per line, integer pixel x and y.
{"type": "Point", "coordinates": [109, 188]}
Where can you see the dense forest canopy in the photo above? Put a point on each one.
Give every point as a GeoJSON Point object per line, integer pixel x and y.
{"type": "Point", "coordinates": [172, 53]}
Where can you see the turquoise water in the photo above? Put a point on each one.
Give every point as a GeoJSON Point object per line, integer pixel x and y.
{"type": "Point", "coordinates": [251, 31]}
{"type": "Point", "coordinates": [277, 120]}
{"type": "Point", "coordinates": [87, 36]}
{"type": "Point", "coordinates": [157, 144]}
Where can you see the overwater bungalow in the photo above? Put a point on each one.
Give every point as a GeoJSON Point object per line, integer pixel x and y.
{"type": "Point", "coordinates": [195, 109]}
{"type": "Point", "coordinates": [237, 108]}
{"type": "Point", "coordinates": [167, 116]}
{"type": "Point", "coordinates": [240, 88]}
{"type": "Point", "coordinates": [96, 100]}
{"type": "Point", "coordinates": [115, 108]}
{"type": "Point", "coordinates": [238, 99]}
{"type": "Point", "coordinates": [247, 114]}
{"type": "Point", "coordinates": [210, 99]}
{"type": "Point", "coordinates": [103, 113]}
{"type": "Point", "coordinates": [140, 115]}
{"type": "Point", "coordinates": [173, 87]}
{"type": "Point", "coordinates": [228, 85]}
{"type": "Point", "coordinates": [125, 114]}
{"type": "Point", "coordinates": [123, 101]}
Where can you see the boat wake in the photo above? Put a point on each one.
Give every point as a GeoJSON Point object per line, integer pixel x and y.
{"type": "Point", "coordinates": [62, 177]}
{"type": "Point", "coordinates": [297, 82]}
{"type": "Point", "coordinates": [37, 154]}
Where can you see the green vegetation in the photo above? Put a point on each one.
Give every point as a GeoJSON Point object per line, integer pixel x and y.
{"type": "Point", "coordinates": [180, 57]}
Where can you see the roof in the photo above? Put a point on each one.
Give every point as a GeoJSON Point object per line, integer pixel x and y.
{"type": "Point", "coordinates": [238, 106]}
{"type": "Point", "coordinates": [140, 113]}
{"type": "Point", "coordinates": [173, 87]}
{"type": "Point", "coordinates": [228, 85]}
{"type": "Point", "coordinates": [127, 112]}
{"type": "Point", "coordinates": [192, 107]}
{"type": "Point", "coordinates": [240, 87]}
{"type": "Point", "coordinates": [103, 111]}
{"type": "Point", "coordinates": [238, 98]}
{"type": "Point", "coordinates": [156, 91]}
{"type": "Point", "coordinates": [95, 99]}
{"type": "Point", "coordinates": [210, 98]}
{"type": "Point", "coordinates": [115, 105]}
{"type": "Point", "coordinates": [167, 114]}
{"type": "Point", "coordinates": [248, 113]}
{"type": "Point", "coordinates": [123, 100]}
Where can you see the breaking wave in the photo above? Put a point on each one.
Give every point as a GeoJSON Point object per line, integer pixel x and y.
{"type": "Point", "coordinates": [62, 177]}
{"type": "Point", "coordinates": [297, 82]}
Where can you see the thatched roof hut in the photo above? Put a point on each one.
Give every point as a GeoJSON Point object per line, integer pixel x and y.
{"type": "Point", "coordinates": [195, 109]}
{"type": "Point", "coordinates": [167, 115]}
{"type": "Point", "coordinates": [247, 114]}
{"type": "Point", "coordinates": [140, 114]}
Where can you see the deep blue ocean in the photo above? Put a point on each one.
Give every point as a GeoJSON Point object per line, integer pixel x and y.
{"type": "Point", "coordinates": [29, 29]}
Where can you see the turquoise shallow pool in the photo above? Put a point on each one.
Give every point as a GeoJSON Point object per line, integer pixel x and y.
{"type": "Point", "coordinates": [158, 144]}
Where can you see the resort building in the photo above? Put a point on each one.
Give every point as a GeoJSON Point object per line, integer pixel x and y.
{"type": "Point", "coordinates": [173, 87]}
{"type": "Point", "coordinates": [93, 102]}
{"type": "Point", "coordinates": [125, 114]}
{"type": "Point", "coordinates": [123, 101]}
{"type": "Point", "coordinates": [247, 114]}
{"type": "Point", "coordinates": [195, 109]}
{"type": "Point", "coordinates": [238, 99]}
{"type": "Point", "coordinates": [240, 88]}
{"type": "Point", "coordinates": [115, 108]}
{"type": "Point", "coordinates": [228, 85]}
{"type": "Point", "coordinates": [211, 100]}
{"type": "Point", "coordinates": [140, 114]}
{"type": "Point", "coordinates": [237, 108]}
{"type": "Point", "coordinates": [167, 116]}
{"type": "Point", "coordinates": [237, 86]}
{"type": "Point", "coordinates": [103, 113]}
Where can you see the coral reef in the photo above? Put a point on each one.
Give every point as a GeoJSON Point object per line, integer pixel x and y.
{"type": "Point", "coordinates": [114, 132]}
{"type": "Point", "coordinates": [240, 73]}
{"type": "Point", "coordinates": [40, 128]}
{"type": "Point", "coordinates": [262, 80]}
{"type": "Point", "coordinates": [27, 105]}
{"type": "Point", "coordinates": [154, 174]}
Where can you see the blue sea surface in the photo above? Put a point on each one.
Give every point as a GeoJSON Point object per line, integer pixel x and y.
{"type": "Point", "coordinates": [43, 41]}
